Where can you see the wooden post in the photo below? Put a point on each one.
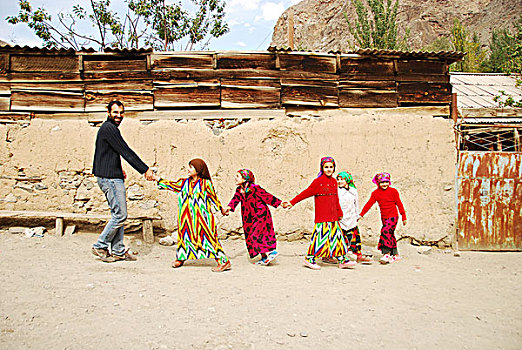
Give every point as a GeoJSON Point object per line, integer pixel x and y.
{"type": "Point", "coordinates": [291, 30]}
{"type": "Point", "coordinates": [454, 110]}
{"type": "Point", "coordinates": [516, 138]}
{"type": "Point", "coordinates": [59, 227]}
{"type": "Point", "coordinates": [148, 231]}
{"type": "Point", "coordinates": [499, 143]}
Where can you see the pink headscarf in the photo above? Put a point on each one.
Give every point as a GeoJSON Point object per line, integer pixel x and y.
{"type": "Point", "coordinates": [381, 177]}
{"type": "Point", "coordinates": [323, 161]}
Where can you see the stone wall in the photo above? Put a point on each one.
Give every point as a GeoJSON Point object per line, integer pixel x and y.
{"type": "Point", "coordinates": [46, 164]}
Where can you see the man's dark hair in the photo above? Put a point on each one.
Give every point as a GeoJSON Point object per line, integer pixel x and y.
{"type": "Point", "coordinates": [115, 102]}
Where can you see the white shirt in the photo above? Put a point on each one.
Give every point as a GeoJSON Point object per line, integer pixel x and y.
{"type": "Point", "coordinates": [349, 200]}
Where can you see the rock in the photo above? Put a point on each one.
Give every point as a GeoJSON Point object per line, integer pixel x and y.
{"type": "Point", "coordinates": [168, 240]}
{"type": "Point", "coordinates": [303, 334]}
{"type": "Point", "coordinates": [17, 230]}
{"type": "Point", "coordinates": [290, 334]}
{"type": "Point", "coordinates": [134, 193]}
{"type": "Point", "coordinates": [448, 188]}
{"type": "Point", "coordinates": [40, 186]}
{"type": "Point", "coordinates": [457, 254]}
{"type": "Point", "coordinates": [34, 232]}
{"type": "Point", "coordinates": [216, 131]}
{"type": "Point", "coordinates": [24, 186]}
{"type": "Point", "coordinates": [147, 205]}
{"type": "Point", "coordinates": [88, 184]}
{"type": "Point", "coordinates": [90, 286]}
{"type": "Point", "coordinates": [69, 230]}
{"type": "Point", "coordinates": [424, 250]}
{"type": "Point", "coordinates": [294, 236]}
{"type": "Point", "coordinates": [82, 194]}
{"type": "Point", "coordinates": [11, 198]}
{"type": "Point", "coordinates": [56, 128]}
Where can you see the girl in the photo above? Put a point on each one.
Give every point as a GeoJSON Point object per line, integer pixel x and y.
{"type": "Point", "coordinates": [257, 222]}
{"type": "Point", "coordinates": [388, 200]}
{"type": "Point", "coordinates": [197, 229]}
{"type": "Point", "coordinates": [349, 200]}
{"type": "Point", "coordinates": [327, 239]}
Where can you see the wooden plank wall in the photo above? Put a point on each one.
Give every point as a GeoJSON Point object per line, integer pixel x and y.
{"type": "Point", "coordinates": [54, 81]}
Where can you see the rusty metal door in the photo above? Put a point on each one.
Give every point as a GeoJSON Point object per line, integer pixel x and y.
{"type": "Point", "coordinates": [489, 201]}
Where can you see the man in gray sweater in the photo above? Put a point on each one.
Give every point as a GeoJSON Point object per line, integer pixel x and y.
{"type": "Point", "coordinates": [110, 147]}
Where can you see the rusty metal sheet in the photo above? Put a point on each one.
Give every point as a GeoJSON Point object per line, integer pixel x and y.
{"type": "Point", "coordinates": [489, 201]}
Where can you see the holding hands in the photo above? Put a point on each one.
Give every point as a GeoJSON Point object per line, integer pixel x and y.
{"type": "Point", "coordinates": [287, 205]}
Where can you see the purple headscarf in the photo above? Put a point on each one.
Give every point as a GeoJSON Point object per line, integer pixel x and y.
{"type": "Point", "coordinates": [323, 161]}
{"type": "Point", "coordinates": [381, 177]}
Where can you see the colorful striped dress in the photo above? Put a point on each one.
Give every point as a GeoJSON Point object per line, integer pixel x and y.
{"type": "Point", "coordinates": [197, 227]}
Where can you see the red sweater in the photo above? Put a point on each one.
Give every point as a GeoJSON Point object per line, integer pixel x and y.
{"type": "Point", "coordinates": [327, 207]}
{"type": "Point", "coordinates": [388, 201]}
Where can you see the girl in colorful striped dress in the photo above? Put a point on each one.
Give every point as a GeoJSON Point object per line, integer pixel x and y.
{"type": "Point", "coordinates": [257, 221]}
{"type": "Point", "coordinates": [327, 239]}
{"type": "Point", "coordinates": [388, 200]}
{"type": "Point", "coordinates": [197, 228]}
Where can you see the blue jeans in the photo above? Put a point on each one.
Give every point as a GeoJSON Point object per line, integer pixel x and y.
{"type": "Point", "coordinates": [114, 190]}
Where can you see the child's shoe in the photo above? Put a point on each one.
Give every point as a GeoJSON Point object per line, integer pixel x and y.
{"type": "Point", "coordinates": [385, 259]}
{"type": "Point", "coordinates": [363, 259]}
{"type": "Point", "coordinates": [347, 264]}
{"type": "Point", "coordinates": [311, 265]}
{"type": "Point", "coordinates": [271, 256]}
{"type": "Point", "coordinates": [395, 258]}
{"type": "Point", "coordinates": [263, 261]}
{"type": "Point", "coordinates": [329, 260]}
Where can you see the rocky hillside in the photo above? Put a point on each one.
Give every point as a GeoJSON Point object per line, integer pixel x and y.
{"type": "Point", "coordinates": [320, 25]}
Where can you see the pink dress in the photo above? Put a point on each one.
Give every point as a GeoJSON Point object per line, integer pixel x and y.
{"type": "Point", "coordinates": [257, 220]}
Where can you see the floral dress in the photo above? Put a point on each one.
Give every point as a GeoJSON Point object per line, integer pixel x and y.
{"type": "Point", "coordinates": [257, 221]}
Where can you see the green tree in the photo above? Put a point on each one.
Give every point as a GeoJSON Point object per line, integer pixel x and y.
{"type": "Point", "coordinates": [464, 42]}
{"type": "Point", "coordinates": [376, 25]}
{"type": "Point", "coordinates": [147, 22]}
{"type": "Point", "coordinates": [506, 50]}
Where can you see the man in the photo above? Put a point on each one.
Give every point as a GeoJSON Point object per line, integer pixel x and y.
{"type": "Point", "coordinates": [110, 177]}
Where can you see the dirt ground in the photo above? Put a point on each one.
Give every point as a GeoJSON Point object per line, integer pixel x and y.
{"type": "Point", "coordinates": [56, 295]}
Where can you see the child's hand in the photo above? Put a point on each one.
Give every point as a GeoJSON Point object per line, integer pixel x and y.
{"type": "Point", "coordinates": [286, 205]}
{"type": "Point", "coordinates": [225, 212]}
{"type": "Point", "coordinates": [404, 222]}
{"type": "Point", "coordinates": [359, 217]}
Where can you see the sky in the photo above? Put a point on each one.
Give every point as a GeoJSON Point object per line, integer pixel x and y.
{"type": "Point", "coordinates": [251, 22]}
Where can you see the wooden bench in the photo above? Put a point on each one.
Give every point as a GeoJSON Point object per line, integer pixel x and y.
{"type": "Point", "coordinates": [148, 233]}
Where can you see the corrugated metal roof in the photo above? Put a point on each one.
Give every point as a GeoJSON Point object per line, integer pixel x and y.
{"type": "Point", "coordinates": [446, 55]}
{"type": "Point", "coordinates": [505, 120]}
{"type": "Point", "coordinates": [477, 90]}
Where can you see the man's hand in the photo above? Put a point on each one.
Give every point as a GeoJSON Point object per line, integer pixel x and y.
{"type": "Point", "coordinates": [149, 175]}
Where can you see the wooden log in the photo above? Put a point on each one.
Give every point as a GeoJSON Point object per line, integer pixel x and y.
{"type": "Point", "coordinates": [366, 69]}
{"type": "Point", "coordinates": [308, 63]}
{"type": "Point", "coordinates": [123, 75]}
{"type": "Point", "coordinates": [44, 63]}
{"type": "Point", "coordinates": [148, 231]}
{"type": "Point", "coordinates": [72, 86]}
{"type": "Point", "coordinates": [59, 227]}
{"type": "Point", "coordinates": [309, 95]}
{"type": "Point", "coordinates": [430, 78]}
{"type": "Point", "coordinates": [24, 214]}
{"type": "Point", "coordinates": [38, 100]}
{"type": "Point", "coordinates": [15, 116]}
{"type": "Point", "coordinates": [190, 94]}
{"type": "Point", "coordinates": [119, 85]}
{"type": "Point", "coordinates": [405, 67]}
{"type": "Point", "coordinates": [189, 61]}
{"type": "Point", "coordinates": [422, 92]}
{"type": "Point", "coordinates": [205, 74]}
{"type": "Point", "coordinates": [262, 61]}
{"type": "Point", "coordinates": [43, 76]}
{"type": "Point", "coordinates": [4, 63]}
{"type": "Point", "coordinates": [5, 102]}
{"type": "Point", "coordinates": [364, 98]}
{"type": "Point", "coordinates": [250, 93]}
{"type": "Point", "coordinates": [133, 100]}
{"type": "Point", "coordinates": [369, 84]}
{"type": "Point", "coordinates": [114, 64]}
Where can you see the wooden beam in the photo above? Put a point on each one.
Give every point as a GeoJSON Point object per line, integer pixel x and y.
{"type": "Point", "coordinates": [96, 101]}
{"type": "Point", "coordinates": [148, 231]}
{"type": "Point", "coordinates": [261, 61]}
{"type": "Point", "coordinates": [44, 63]}
{"type": "Point", "coordinates": [250, 93]}
{"type": "Point", "coordinates": [40, 100]}
{"type": "Point", "coordinates": [186, 61]}
{"type": "Point", "coordinates": [308, 63]}
{"type": "Point", "coordinates": [59, 227]}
